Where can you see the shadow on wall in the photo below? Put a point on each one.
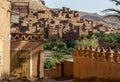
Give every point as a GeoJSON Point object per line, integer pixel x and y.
{"type": "Point", "coordinates": [34, 47]}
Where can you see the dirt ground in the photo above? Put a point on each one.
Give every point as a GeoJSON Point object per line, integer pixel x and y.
{"type": "Point", "coordinates": [43, 80]}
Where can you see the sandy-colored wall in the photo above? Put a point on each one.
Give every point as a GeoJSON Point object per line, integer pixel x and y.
{"type": "Point", "coordinates": [4, 34]}
{"type": "Point", "coordinates": [55, 72]}
{"type": "Point", "coordinates": [36, 49]}
{"type": "Point", "coordinates": [92, 65]}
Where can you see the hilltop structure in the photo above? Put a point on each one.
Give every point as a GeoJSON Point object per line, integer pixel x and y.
{"type": "Point", "coordinates": [59, 22]}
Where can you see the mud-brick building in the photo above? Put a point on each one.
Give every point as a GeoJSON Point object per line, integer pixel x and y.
{"type": "Point", "coordinates": [4, 38]}
{"type": "Point", "coordinates": [27, 59]}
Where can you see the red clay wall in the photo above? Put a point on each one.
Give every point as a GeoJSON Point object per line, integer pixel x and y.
{"type": "Point", "coordinates": [92, 65]}
{"type": "Point", "coordinates": [68, 68]}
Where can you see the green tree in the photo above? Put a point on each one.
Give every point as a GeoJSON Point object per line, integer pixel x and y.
{"type": "Point", "coordinates": [112, 38]}
{"type": "Point", "coordinates": [116, 12]}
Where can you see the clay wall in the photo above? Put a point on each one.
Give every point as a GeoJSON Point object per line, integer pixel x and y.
{"type": "Point", "coordinates": [61, 70]}
{"type": "Point", "coordinates": [96, 64]}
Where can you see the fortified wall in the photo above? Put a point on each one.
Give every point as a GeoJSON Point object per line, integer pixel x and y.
{"type": "Point", "coordinates": [96, 64]}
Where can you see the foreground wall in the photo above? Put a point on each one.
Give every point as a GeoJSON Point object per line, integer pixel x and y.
{"type": "Point", "coordinates": [4, 38]}
{"type": "Point", "coordinates": [61, 70]}
{"type": "Point", "coordinates": [95, 65]}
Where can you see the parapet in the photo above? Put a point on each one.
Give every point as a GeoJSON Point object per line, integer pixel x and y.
{"type": "Point", "coordinates": [100, 54]}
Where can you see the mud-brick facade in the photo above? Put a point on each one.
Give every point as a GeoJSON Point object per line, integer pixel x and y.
{"type": "Point", "coordinates": [27, 59]}
{"type": "Point", "coordinates": [4, 38]}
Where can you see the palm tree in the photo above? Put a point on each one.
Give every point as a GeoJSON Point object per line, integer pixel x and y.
{"type": "Point", "coordinates": [116, 12]}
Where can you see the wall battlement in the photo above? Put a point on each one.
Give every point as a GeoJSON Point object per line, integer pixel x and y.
{"type": "Point", "coordinates": [96, 64]}
{"type": "Point", "coordinates": [100, 54]}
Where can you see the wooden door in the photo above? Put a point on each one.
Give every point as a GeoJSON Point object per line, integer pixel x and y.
{"type": "Point", "coordinates": [20, 63]}
{"type": "Point", "coordinates": [1, 55]}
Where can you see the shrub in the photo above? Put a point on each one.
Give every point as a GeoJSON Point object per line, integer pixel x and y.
{"type": "Point", "coordinates": [112, 38]}
{"type": "Point", "coordinates": [71, 44]}
{"type": "Point", "coordinates": [47, 45]}
{"type": "Point", "coordinates": [100, 35]}
{"type": "Point", "coordinates": [69, 51]}
{"type": "Point", "coordinates": [49, 63]}
{"type": "Point", "coordinates": [88, 42]}
{"type": "Point", "coordinates": [58, 46]}
{"type": "Point", "coordinates": [54, 37]}
{"type": "Point", "coordinates": [61, 45]}
{"type": "Point", "coordinates": [58, 57]}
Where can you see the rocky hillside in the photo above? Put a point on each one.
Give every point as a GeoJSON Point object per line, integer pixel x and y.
{"type": "Point", "coordinates": [97, 17]}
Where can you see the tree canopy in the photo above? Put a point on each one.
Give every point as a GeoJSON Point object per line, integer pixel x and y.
{"type": "Point", "coordinates": [115, 12]}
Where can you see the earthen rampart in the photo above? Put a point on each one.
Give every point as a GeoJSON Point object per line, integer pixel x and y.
{"type": "Point", "coordinates": [96, 64]}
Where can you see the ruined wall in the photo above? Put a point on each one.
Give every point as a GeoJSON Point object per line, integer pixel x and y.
{"type": "Point", "coordinates": [71, 35]}
{"type": "Point", "coordinates": [39, 4]}
{"type": "Point", "coordinates": [4, 36]}
{"type": "Point", "coordinates": [96, 64]}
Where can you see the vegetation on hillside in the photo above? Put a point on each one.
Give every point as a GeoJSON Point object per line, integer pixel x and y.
{"type": "Point", "coordinates": [110, 38]}
{"type": "Point", "coordinates": [58, 46]}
